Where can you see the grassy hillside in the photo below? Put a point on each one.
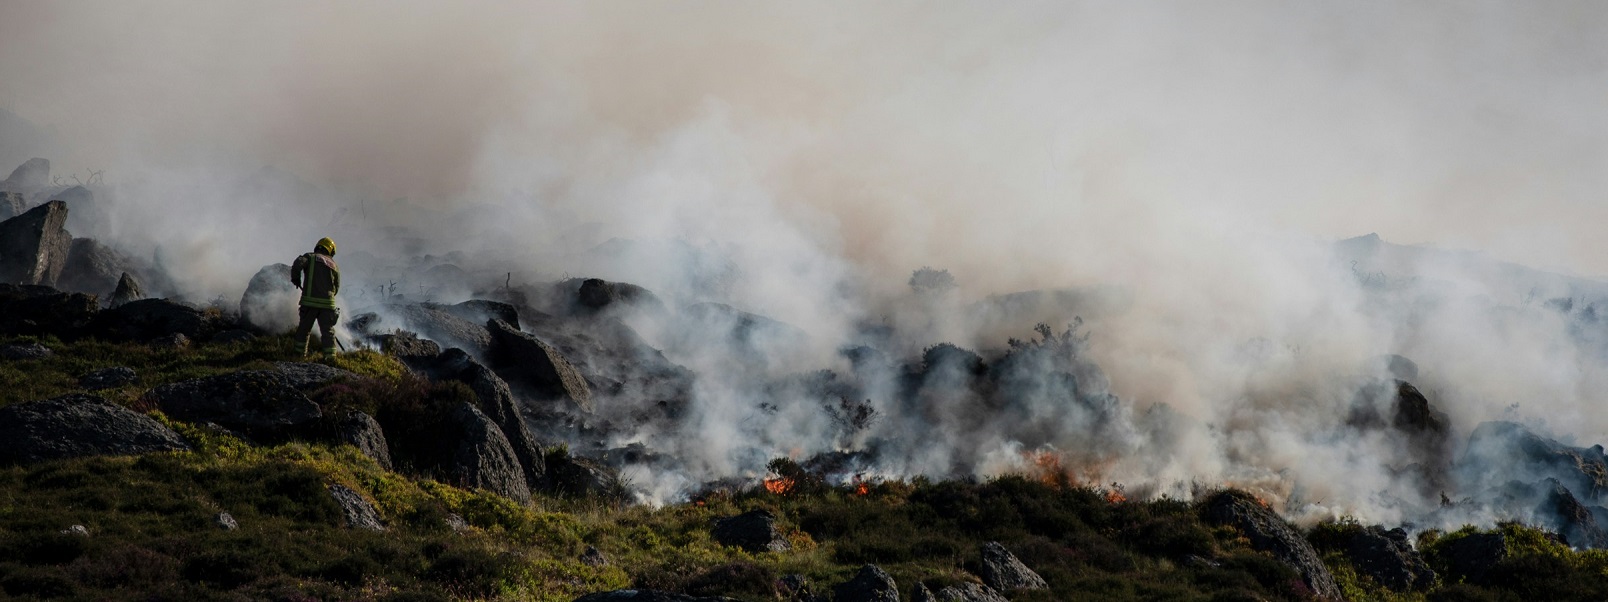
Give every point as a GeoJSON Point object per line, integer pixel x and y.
{"type": "Point", "coordinates": [152, 532]}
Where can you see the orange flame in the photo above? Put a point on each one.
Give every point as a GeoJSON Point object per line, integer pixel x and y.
{"type": "Point", "coordinates": [862, 489]}
{"type": "Point", "coordinates": [780, 485]}
{"type": "Point", "coordinates": [1115, 497]}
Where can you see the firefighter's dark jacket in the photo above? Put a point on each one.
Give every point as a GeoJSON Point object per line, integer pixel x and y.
{"type": "Point", "coordinates": [319, 279]}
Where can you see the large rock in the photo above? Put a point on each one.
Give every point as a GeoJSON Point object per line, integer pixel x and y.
{"type": "Point", "coordinates": [260, 403]}
{"type": "Point", "coordinates": [479, 311]}
{"type": "Point", "coordinates": [407, 346]}
{"type": "Point", "coordinates": [149, 319]}
{"type": "Point", "coordinates": [434, 322]}
{"type": "Point", "coordinates": [128, 291]}
{"type": "Point", "coordinates": [754, 531]}
{"type": "Point", "coordinates": [647, 595]}
{"type": "Point", "coordinates": [528, 362]}
{"type": "Point", "coordinates": [1387, 557]}
{"type": "Point", "coordinates": [571, 475]}
{"type": "Point", "coordinates": [356, 509]}
{"type": "Point", "coordinates": [871, 584]}
{"type": "Point", "coordinates": [1269, 533]}
{"type": "Point", "coordinates": [85, 215]}
{"type": "Point", "coordinates": [1002, 571]}
{"type": "Point", "coordinates": [361, 431]}
{"type": "Point", "coordinates": [308, 375]}
{"type": "Point", "coordinates": [92, 268]}
{"type": "Point", "coordinates": [270, 300]}
{"type": "Point", "coordinates": [496, 401]}
{"type": "Point", "coordinates": [41, 310]}
{"type": "Point", "coordinates": [32, 175]}
{"type": "Point", "coordinates": [34, 245]}
{"type": "Point", "coordinates": [482, 457]}
{"type": "Point", "coordinates": [79, 425]}
{"type": "Point", "coordinates": [597, 294]}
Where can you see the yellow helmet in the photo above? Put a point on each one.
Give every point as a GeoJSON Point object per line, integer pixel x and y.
{"type": "Point", "coordinates": [326, 245]}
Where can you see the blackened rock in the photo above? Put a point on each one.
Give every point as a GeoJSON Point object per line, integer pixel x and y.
{"type": "Point", "coordinates": [648, 595]}
{"type": "Point", "coordinates": [11, 204]}
{"type": "Point", "coordinates": [479, 311]}
{"type": "Point", "coordinates": [31, 351]}
{"type": "Point", "coordinates": [408, 346]}
{"type": "Point", "coordinates": [270, 300]}
{"type": "Point", "coordinates": [358, 512]}
{"type": "Point", "coordinates": [128, 290]}
{"type": "Point", "coordinates": [596, 294]}
{"type": "Point", "coordinates": [529, 362]}
{"type": "Point", "coordinates": [108, 378]}
{"type": "Point", "coordinates": [1002, 571]}
{"type": "Point", "coordinates": [1575, 520]}
{"type": "Point", "coordinates": [92, 268]}
{"type": "Point", "coordinates": [576, 476]}
{"type": "Point", "coordinates": [921, 594]}
{"type": "Point", "coordinates": [969, 592]}
{"type": "Point", "coordinates": [871, 584]}
{"type": "Point", "coordinates": [41, 310]}
{"type": "Point", "coordinates": [754, 531]}
{"type": "Point", "coordinates": [32, 175]}
{"type": "Point", "coordinates": [594, 557]}
{"type": "Point", "coordinates": [34, 245]}
{"type": "Point", "coordinates": [436, 323]}
{"type": "Point", "coordinates": [496, 401]}
{"type": "Point", "coordinates": [1269, 533]}
{"type": "Point", "coordinates": [1389, 559]}
{"type": "Point", "coordinates": [260, 403]}
{"type": "Point", "coordinates": [361, 431]}
{"type": "Point", "coordinates": [482, 457]}
{"type": "Point", "coordinates": [79, 425]}
{"type": "Point", "coordinates": [309, 375]}
{"type": "Point", "coordinates": [1472, 557]}
{"type": "Point", "coordinates": [148, 319]}
{"type": "Point", "coordinates": [796, 588]}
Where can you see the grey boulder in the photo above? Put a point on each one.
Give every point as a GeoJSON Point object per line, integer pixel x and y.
{"type": "Point", "coordinates": [79, 425]}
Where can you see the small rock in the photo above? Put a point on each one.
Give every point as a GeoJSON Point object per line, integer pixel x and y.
{"type": "Point", "coordinates": [128, 291]}
{"type": "Point", "coordinates": [754, 531]}
{"type": "Point", "coordinates": [170, 341]}
{"type": "Point", "coordinates": [594, 557]}
{"type": "Point", "coordinates": [78, 530]}
{"type": "Point", "coordinates": [32, 351]}
{"type": "Point", "coordinates": [871, 584]}
{"type": "Point", "coordinates": [108, 378]}
{"type": "Point", "coordinates": [922, 594]}
{"type": "Point", "coordinates": [359, 513]}
{"type": "Point", "coordinates": [969, 592]}
{"type": "Point", "coordinates": [1002, 571]}
{"type": "Point", "coordinates": [362, 432]}
{"type": "Point", "coordinates": [225, 522]}
{"type": "Point", "coordinates": [407, 345]}
{"type": "Point", "coordinates": [456, 523]}
{"type": "Point", "coordinates": [795, 587]}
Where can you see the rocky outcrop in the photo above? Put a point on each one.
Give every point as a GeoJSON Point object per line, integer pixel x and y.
{"type": "Point", "coordinates": [79, 425]}
{"type": "Point", "coordinates": [1002, 571]}
{"type": "Point", "coordinates": [754, 531]}
{"type": "Point", "coordinates": [260, 403]}
{"type": "Point", "coordinates": [41, 310]}
{"type": "Point", "coordinates": [92, 268]}
{"type": "Point", "coordinates": [34, 245]}
{"type": "Point", "coordinates": [1269, 533]}
{"type": "Point", "coordinates": [128, 291]}
{"type": "Point", "coordinates": [596, 294]}
{"type": "Point", "coordinates": [109, 378]}
{"type": "Point", "coordinates": [31, 176]}
{"type": "Point", "coordinates": [270, 300]}
{"type": "Point", "coordinates": [308, 375]}
{"type": "Point", "coordinates": [361, 431]}
{"type": "Point", "coordinates": [528, 362]}
{"type": "Point", "coordinates": [84, 214]}
{"type": "Point", "coordinates": [575, 476]}
{"type": "Point", "coordinates": [149, 319]}
{"type": "Point", "coordinates": [480, 311]}
{"type": "Point", "coordinates": [436, 323]}
{"type": "Point", "coordinates": [31, 351]}
{"type": "Point", "coordinates": [1498, 452]}
{"type": "Point", "coordinates": [647, 595]}
{"type": "Point", "coordinates": [482, 457]}
{"type": "Point", "coordinates": [496, 401]}
{"type": "Point", "coordinates": [356, 509]}
{"type": "Point", "coordinates": [407, 346]}
{"type": "Point", "coordinates": [1387, 557]}
{"type": "Point", "coordinates": [871, 584]}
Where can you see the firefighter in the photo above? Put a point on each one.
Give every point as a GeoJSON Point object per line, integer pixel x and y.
{"type": "Point", "coordinates": [319, 279]}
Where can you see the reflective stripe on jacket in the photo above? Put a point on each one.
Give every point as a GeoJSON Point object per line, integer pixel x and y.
{"type": "Point", "coordinates": [321, 282]}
